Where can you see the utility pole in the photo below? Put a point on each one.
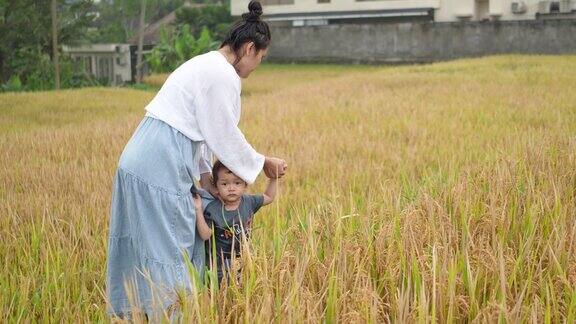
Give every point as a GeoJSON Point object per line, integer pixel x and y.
{"type": "Point", "coordinates": [54, 12]}
{"type": "Point", "coordinates": [140, 41]}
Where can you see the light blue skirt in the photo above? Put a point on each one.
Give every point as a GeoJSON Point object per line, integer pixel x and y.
{"type": "Point", "coordinates": [152, 221]}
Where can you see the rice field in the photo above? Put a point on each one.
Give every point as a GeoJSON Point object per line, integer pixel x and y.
{"type": "Point", "coordinates": [425, 193]}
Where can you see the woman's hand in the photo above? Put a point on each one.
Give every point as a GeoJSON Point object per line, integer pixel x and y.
{"type": "Point", "coordinates": [275, 168]}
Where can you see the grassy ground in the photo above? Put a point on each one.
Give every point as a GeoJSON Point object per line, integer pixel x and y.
{"type": "Point", "coordinates": [442, 192]}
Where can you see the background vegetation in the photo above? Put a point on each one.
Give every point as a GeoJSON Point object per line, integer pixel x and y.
{"type": "Point", "coordinates": [26, 44]}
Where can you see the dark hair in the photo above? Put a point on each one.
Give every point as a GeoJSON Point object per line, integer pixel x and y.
{"type": "Point", "coordinates": [250, 29]}
{"type": "Point", "coordinates": [216, 168]}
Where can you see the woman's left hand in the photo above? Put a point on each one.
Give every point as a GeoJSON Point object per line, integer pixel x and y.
{"type": "Point", "coordinates": [275, 168]}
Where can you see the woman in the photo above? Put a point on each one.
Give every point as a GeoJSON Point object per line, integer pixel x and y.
{"type": "Point", "coordinates": [194, 115]}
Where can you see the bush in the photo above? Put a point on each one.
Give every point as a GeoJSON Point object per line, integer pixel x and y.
{"type": "Point", "coordinates": [171, 52]}
{"type": "Point", "coordinates": [13, 84]}
{"type": "Point", "coordinates": [39, 74]}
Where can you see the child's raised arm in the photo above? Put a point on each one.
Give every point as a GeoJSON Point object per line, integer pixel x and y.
{"type": "Point", "coordinates": [270, 192]}
{"type": "Point", "coordinates": [203, 229]}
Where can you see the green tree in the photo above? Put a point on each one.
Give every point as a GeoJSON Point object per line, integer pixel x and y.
{"type": "Point", "coordinates": [215, 18]}
{"type": "Point", "coordinates": [25, 38]}
{"type": "Point", "coordinates": [178, 48]}
{"type": "Point", "coordinates": [117, 20]}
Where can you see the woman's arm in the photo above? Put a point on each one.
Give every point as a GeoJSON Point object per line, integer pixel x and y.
{"type": "Point", "coordinates": [270, 192]}
{"type": "Point", "coordinates": [217, 120]}
{"type": "Point", "coordinates": [203, 229]}
{"type": "Point", "coordinates": [216, 116]}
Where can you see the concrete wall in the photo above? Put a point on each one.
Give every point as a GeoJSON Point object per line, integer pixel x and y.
{"type": "Point", "coordinates": [420, 42]}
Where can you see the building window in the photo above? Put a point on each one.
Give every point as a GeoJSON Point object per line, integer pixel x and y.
{"type": "Point", "coordinates": [323, 1]}
{"type": "Point", "coordinates": [276, 2]}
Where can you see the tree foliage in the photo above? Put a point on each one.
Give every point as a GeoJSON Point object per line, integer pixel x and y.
{"type": "Point", "coordinates": [25, 35]}
{"type": "Point", "coordinates": [25, 41]}
{"type": "Point", "coordinates": [117, 20]}
{"type": "Point", "coordinates": [215, 18]}
{"type": "Point", "coordinates": [174, 50]}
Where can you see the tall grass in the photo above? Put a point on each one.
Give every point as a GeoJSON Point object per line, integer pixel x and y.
{"type": "Point", "coordinates": [434, 193]}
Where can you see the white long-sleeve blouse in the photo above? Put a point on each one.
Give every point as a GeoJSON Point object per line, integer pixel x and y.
{"type": "Point", "coordinates": [201, 99]}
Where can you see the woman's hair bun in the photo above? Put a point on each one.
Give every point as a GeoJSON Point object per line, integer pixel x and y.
{"type": "Point", "coordinates": [255, 11]}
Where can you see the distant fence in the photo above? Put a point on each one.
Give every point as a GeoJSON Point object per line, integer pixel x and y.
{"type": "Point", "coordinates": [420, 41]}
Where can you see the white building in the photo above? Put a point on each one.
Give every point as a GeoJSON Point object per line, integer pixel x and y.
{"type": "Point", "coordinates": [105, 62]}
{"type": "Point", "coordinates": [322, 12]}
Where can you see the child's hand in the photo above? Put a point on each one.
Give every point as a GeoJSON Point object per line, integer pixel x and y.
{"type": "Point", "coordinates": [197, 201]}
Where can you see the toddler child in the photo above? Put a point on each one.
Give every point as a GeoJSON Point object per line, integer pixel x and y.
{"type": "Point", "coordinates": [229, 217]}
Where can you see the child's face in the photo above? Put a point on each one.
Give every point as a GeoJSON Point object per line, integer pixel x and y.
{"type": "Point", "coordinates": [230, 186]}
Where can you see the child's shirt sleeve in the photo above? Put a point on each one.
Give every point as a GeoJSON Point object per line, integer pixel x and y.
{"type": "Point", "coordinates": [208, 214]}
{"type": "Point", "coordinates": [255, 202]}
{"type": "Point", "coordinates": [208, 218]}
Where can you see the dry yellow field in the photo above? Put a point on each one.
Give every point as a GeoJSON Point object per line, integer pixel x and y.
{"type": "Point", "coordinates": [443, 192]}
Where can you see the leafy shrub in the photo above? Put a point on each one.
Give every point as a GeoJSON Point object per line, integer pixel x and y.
{"type": "Point", "coordinates": [182, 46]}
{"type": "Point", "coordinates": [39, 74]}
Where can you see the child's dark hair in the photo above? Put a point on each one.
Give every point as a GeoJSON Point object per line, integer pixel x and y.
{"type": "Point", "coordinates": [216, 168]}
{"type": "Point", "coordinates": [250, 29]}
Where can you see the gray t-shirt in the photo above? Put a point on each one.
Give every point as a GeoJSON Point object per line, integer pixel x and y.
{"type": "Point", "coordinates": [230, 224]}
